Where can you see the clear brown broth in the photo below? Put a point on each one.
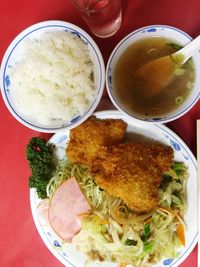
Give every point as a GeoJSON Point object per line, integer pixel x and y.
{"type": "Point", "coordinates": [126, 83]}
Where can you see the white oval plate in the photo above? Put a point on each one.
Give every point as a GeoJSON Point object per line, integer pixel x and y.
{"type": "Point", "coordinates": [67, 254]}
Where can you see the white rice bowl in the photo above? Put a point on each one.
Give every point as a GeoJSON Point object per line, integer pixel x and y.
{"type": "Point", "coordinates": [52, 76]}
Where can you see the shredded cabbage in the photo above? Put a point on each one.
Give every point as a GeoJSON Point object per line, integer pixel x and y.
{"type": "Point", "coordinates": [115, 233]}
{"type": "Point", "coordinates": [66, 170]}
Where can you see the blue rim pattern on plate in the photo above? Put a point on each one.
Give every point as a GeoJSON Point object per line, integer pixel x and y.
{"type": "Point", "coordinates": [61, 138]}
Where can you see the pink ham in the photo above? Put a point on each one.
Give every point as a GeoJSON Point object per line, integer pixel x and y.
{"type": "Point", "coordinates": [67, 203]}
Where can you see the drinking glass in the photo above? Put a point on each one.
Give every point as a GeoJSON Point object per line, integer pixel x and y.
{"type": "Point", "coordinates": [103, 17]}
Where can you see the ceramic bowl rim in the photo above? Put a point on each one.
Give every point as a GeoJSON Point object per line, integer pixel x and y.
{"type": "Point", "coordinates": [166, 118]}
{"type": "Point", "coordinates": [41, 26]}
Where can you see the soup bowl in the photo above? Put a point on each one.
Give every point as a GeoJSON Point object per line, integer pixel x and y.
{"type": "Point", "coordinates": [176, 37]}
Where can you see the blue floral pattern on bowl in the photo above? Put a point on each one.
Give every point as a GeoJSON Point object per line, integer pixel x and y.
{"type": "Point", "coordinates": [75, 119]}
{"type": "Point", "coordinates": [152, 30]}
{"type": "Point", "coordinates": [145, 32]}
{"type": "Point", "coordinates": [76, 33]}
{"type": "Point", "coordinates": [16, 50]}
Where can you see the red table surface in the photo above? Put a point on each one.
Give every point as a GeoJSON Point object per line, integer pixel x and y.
{"type": "Point", "coordinates": [20, 243]}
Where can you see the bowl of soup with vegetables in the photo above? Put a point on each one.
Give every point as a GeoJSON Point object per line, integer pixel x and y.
{"type": "Point", "coordinates": [125, 87]}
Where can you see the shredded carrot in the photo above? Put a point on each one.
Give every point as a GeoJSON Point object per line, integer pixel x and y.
{"type": "Point", "coordinates": [148, 220]}
{"type": "Point", "coordinates": [180, 230]}
{"type": "Point", "coordinates": [82, 215]}
{"type": "Point", "coordinates": [103, 221]}
{"type": "Point", "coordinates": [167, 210]}
{"type": "Point", "coordinates": [170, 211]}
{"type": "Point", "coordinates": [181, 233]}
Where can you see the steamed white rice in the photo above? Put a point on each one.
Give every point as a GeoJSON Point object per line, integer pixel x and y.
{"type": "Point", "coordinates": [53, 82]}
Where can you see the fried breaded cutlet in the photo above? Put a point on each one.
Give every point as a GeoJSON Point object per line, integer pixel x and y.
{"type": "Point", "coordinates": [132, 172]}
{"type": "Point", "coordinates": [87, 138]}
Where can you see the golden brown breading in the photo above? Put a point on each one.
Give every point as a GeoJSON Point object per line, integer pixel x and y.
{"type": "Point", "coordinates": [87, 138]}
{"type": "Point", "coordinates": [132, 172]}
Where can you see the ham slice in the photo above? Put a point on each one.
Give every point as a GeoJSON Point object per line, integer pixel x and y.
{"type": "Point", "coordinates": [66, 206]}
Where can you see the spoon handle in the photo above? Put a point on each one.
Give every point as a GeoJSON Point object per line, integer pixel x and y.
{"type": "Point", "coordinates": [189, 50]}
